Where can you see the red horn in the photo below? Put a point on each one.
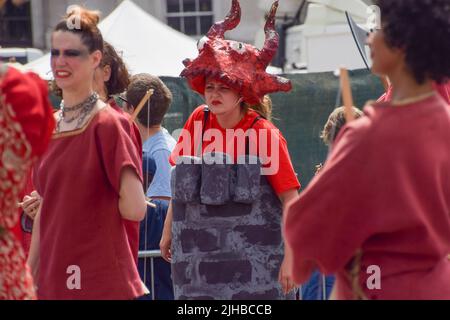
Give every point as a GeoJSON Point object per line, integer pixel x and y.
{"type": "Point", "coordinates": [231, 21]}
{"type": "Point", "coordinates": [272, 38]}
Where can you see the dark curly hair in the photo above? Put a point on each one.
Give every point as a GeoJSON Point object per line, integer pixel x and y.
{"type": "Point", "coordinates": [422, 29]}
{"type": "Point", "coordinates": [120, 78]}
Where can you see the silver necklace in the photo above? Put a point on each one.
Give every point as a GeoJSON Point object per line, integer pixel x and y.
{"type": "Point", "coordinates": [85, 108]}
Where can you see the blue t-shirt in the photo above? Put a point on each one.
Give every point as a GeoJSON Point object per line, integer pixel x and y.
{"type": "Point", "coordinates": [156, 152]}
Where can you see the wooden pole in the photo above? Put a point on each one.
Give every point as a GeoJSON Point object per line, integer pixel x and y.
{"type": "Point", "coordinates": [141, 105]}
{"type": "Point", "coordinates": [346, 95]}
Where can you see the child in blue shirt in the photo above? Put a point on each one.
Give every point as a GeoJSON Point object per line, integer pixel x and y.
{"type": "Point", "coordinates": [157, 147]}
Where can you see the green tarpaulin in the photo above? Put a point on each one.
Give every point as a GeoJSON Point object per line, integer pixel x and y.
{"type": "Point", "coordinates": [300, 114]}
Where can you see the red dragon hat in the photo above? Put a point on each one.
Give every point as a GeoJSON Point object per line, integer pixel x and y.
{"type": "Point", "coordinates": [239, 65]}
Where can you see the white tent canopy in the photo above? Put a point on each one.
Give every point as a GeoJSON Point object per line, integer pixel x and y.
{"type": "Point", "coordinates": [147, 45]}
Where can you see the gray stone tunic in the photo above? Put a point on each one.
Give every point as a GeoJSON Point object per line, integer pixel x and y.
{"type": "Point", "coordinates": [226, 232]}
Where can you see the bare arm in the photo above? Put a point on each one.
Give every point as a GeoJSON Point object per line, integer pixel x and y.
{"type": "Point", "coordinates": [132, 205]}
{"type": "Point", "coordinates": [166, 239]}
{"type": "Point", "coordinates": [285, 274]}
{"type": "Point", "coordinates": [288, 196]}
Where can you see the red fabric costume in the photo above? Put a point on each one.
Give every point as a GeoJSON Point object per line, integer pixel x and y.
{"type": "Point", "coordinates": [132, 227]}
{"type": "Point", "coordinates": [239, 65]}
{"type": "Point", "coordinates": [79, 180]}
{"type": "Point", "coordinates": [442, 89]}
{"type": "Point", "coordinates": [383, 200]}
{"type": "Point", "coordinates": [26, 123]}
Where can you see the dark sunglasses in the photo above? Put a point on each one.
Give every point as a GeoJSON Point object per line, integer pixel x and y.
{"type": "Point", "coordinates": [70, 53]}
{"type": "Point", "coordinates": [125, 104]}
{"type": "Point", "coordinates": [123, 99]}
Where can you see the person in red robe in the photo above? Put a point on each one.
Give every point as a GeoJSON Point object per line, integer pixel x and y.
{"type": "Point", "coordinates": [26, 123]}
{"type": "Point", "coordinates": [111, 78]}
{"type": "Point", "coordinates": [377, 215]}
{"type": "Point", "coordinates": [90, 180]}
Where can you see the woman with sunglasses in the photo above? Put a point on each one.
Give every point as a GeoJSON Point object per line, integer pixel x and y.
{"type": "Point", "coordinates": [26, 123]}
{"type": "Point", "coordinates": [89, 180]}
{"type": "Point", "coordinates": [383, 197]}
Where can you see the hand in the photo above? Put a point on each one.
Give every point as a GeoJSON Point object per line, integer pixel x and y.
{"type": "Point", "coordinates": [31, 203]}
{"type": "Point", "coordinates": [164, 245]}
{"type": "Point", "coordinates": [319, 168]}
{"type": "Point", "coordinates": [285, 277]}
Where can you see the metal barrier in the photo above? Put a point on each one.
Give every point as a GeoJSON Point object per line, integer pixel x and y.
{"type": "Point", "coordinates": [150, 254]}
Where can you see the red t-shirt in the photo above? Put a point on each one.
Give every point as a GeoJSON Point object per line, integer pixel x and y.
{"type": "Point", "coordinates": [385, 192]}
{"type": "Point", "coordinates": [132, 227]}
{"type": "Point", "coordinates": [266, 137]}
{"type": "Point", "coordinates": [81, 226]}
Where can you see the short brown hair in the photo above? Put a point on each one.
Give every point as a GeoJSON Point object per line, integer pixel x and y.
{"type": "Point", "coordinates": [159, 102]}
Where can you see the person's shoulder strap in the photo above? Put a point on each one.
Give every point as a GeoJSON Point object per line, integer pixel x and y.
{"type": "Point", "coordinates": [255, 121]}
{"type": "Point", "coordinates": [206, 112]}
{"type": "Point", "coordinates": [247, 140]}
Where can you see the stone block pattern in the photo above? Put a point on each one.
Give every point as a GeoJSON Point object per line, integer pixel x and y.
{"type": "Point", "coordinates": [226, 233]}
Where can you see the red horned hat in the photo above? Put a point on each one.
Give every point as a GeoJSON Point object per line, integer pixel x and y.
{"type": "Point", "coordinates": [239, 65]}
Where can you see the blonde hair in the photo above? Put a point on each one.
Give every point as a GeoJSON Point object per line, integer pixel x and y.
{"type": "Point", "coordinates": [335, 122]}
{"type": "Point", "coordinates": [264, 109]}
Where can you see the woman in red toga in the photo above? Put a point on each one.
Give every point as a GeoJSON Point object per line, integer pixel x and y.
{"type": "Point", "coordinates": [89, 180]}
{"type": "Point", "coordinates": [378, 213]}
{"type": "Point", "coordinates": [231, 76]}
{"type": "Point", "coordinates": [26, 123]}
{"type": "Point", "coordinates": [111, 78]}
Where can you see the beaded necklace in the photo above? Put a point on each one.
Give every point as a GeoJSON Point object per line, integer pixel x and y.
{"type": "Point", "coordinates": [85, 108]}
